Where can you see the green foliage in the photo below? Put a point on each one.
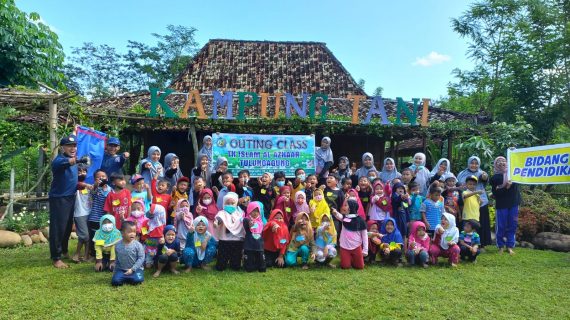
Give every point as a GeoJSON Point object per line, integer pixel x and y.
{"type": "Point", "coordinates": [25, 221]}
{"type": "Point", "coordinates": [29, 50]}
{"type": "Point", "coordinates": [476, 145]}
{"type": "Point", "coordinates": [540, 212]}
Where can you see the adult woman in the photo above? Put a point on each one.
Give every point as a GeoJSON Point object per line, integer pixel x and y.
{"type": "Point", "coordinates": [367, 166]}
{"type": "Point", "coordinates": [324, 157]}
{"type": "Point", "coordinates": [421, 174]}
{"type": "Point", "coordinates": [389, 171]}
{"type": "Point", "coordinates": [507, 200]}
{"type": "Point", "coordinates": [474, 169]}
{"type": "Point", "coordinates": [206, 150]}
{"type": "Point", "coordinates": [151, 165]}
{"type": "Point", "coordinates": [441, 171]}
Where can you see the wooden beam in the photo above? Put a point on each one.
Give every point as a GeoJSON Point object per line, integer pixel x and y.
{"type": "Point", "coordinates": [52, 127]}
{"type": "Point", "coordinates": [194, 141]}
{"type": "Point", "coordinates": [450, 147]}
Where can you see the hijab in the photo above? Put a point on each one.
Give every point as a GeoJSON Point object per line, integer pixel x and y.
{"type": "Point", "coordinates": [262, 208]}
{"type": "Point", "coordinates": [423, 174]}
{"type": "Point", "coordinates": [283, 205]}
{"type": "Point", "coordinates": [344, 173]}
{"type": "Point", "coordinates": [467, 172]}
{"type": "Point", "coordinates": [414, 237]}
{"type": "Point", "coordinates": [109, 238]}
{"type": "Point", "coordinates": [330, 236]}
{"type": "Point", "coordinates": [301, 208]}
{"type": "Point", "coordinates": [205, 150]}
{"type": "Point", "coordinates": [324, 155]}
{"type": "Point", "coordinates": [159, 217]}
{"type": "Point", "coordinates": [389, 175]}
{"type": "Point", "coordinates": [352, 221]}
{"type": "Point", "coordinates": [186, 214]}
{"type": "Point", "coordinates": [201, 237]}
{"type": "Point", "coordinates": [307, 232]}
{"type": "Point", "coordinates": [361, 212]}
{"type": "Point", "coordinates": [155, 165]}
{"type": "Point", "coordinates": [447, 172]}
{"type": "Point", "coordinates": [449, 234]}
{"type": "Point", "coordinates": [422, 165]}
{"type": "Point", "coordinates": [363, 171]}
{"type": "Point", "coordinates": [257, 227]}
{"type": "Point", "coordinates": [232, 221]}
{"type": "Point", "coordinates": [210, 210]}
{"type": "Point", "coordinates": [504, 172]}
{"type": "Point", "coordinates": [394, 236]}
{"type": "Point", "coordinates": [321, 207]}
{"type": "Point", "coordinates": [280, 237]}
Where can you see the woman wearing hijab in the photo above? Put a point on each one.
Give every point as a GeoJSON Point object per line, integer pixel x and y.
{"type": "Point", "coordinates": [445, 241]}
{"type": "Point", "coordinates": [324, 157]}
{"type": "Point", "coordinates": [474, 169]}
{"type": "Point", "coordinates": [172, 167]}
{"type": "Point", "coordinates": [507, 200]}
{"type": "Point", "coordinates": [420, 172]}
{"type": "Point", "coordinates": [441, 171]}
{"type": "Point", "coordinates": [367, 166]}
{"type": "Point", "coordinates": [389, 171]}
{"type": "Point", "coordinates": [206, 150]}
{"type": "Point", "coordinates": [344, 170]}
{"type": "Point", "coordinates": [219, 170]}
{"type": "Point", "coordinates": [151, 165]}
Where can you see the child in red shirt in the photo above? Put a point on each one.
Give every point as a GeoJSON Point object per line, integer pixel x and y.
{"type": "Point", "coordinates": [160, 195]}
{"type": "Point", "coordinates": [118, 202]}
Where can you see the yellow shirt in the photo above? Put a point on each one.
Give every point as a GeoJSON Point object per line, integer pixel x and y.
{"type": "Point", "coordinates": [471, 207]}
{"type": "Point", "coordinates": [100, 250]}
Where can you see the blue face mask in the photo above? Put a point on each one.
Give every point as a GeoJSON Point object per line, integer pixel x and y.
{"type": "Point", "coordinates": [301, 177]}
{"type": "Point", "coordinates": [229, 209]}
{"type": "Point", "coordinates": [280, 183]}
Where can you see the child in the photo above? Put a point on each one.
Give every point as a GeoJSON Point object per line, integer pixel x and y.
{"type": "Point", "coordinates": [244, 191]}
{"type": "Point", "coordinates": [353, 236]}
{"type": "Point", "coordinates": [168, 251]}
{"type": "Point", "coordinates": [206, 207]}
{"type": "Point", "coordinates": [310, 186]}
{"type": "Point", "coordinates": [451, 196]}
{"type": "Point", "coordinates": [432, 209]}
{"type": "Point", "coordinates": [469, 241]}
{"type": "Point", "coordinates": [202, 170]}
{"type": "Point", "coordinates": [471, 200]}
{"type": "Point", "coordinates": [364, 189]}
{"type": "Point", "coordinates": [98, 195]}
{"type": "Point", "coordinates": [374, 240]}
{"type": "Point", "coordinates": [137, 216]}
{"type": "Point", "coordinates": [263, 192]}
{"type": "Point", "coordinates": [153, 231]}
{"type": "Point", "coordinates": [333, 195]}
{"type": "Point", "coordinates": [172, 171]}
{"type": "Point", "coordinates": [318, 207]}
{"type": "Point", "coordinates": [326, 241]}
{"type": "Point", "coordinates": [81, 214]}
{"type": "Point", "coordinates": [216, 178]}
{"type": "Point", "coordinates": [195, 191]}
{"type": "Point", "coordinates": [421, 173]}
{"type": "Point", "coordinates": [184, 221]}
{"type": "Point", "coordinates": [230, 232]}
{"type": "Point", "coordinates": [445, 241]}
{"type": "Point", "coordinates": [392, 243]}
{"type": "Point", "coordinates": [202, 246]}
{"type": "Point", "coordinates": [141, 191]}
{"type": "Point", "coordinates": [160, 195]}
{"type": "Point", "coordinates": [301, 204]}
{"type": "Point", "coordinates": [278, 181]}
{"type": "Point", "coordinates": [275, 239]}
{"type": "Point", "coordinates": [407, 177]}
{"type": "Point", "coordinates": [253, 244]}
{"type": "Point", "coordinates": [151, 166]}
{"type": "Point", "coordinates": [112, 162]}
{"type": "Point", "coordinates": [416, 201]}
{"type": "Point", "coordinates": [353, 194]}
{"type": "Point", "coordinates": [179, 192]}
{"type": "Point", "coordinates": [227, 186]}
{"type": "Point", "coordinates": [302, 242]}
{"type": "Point", "coordinates": [130, 258]}
{"type": "Point", "coordinates": [299, 182]}
{"type": "Point", "coordinates": [380, 204]}
{"type": "Point", "coordinates": [105, 240]}
{"type": "Point", "coordinates": [346, 184]}
{"type": "Point", "coordinates": [401, 207]}
{"type": "Point", "coordinates": [344, 170]}
{"type": "Point", "coordinates": [418, 244]}
{"type": "Point", "coordinates": [286, 204]}
{"type": "Point", "coordinates": [118, 202]}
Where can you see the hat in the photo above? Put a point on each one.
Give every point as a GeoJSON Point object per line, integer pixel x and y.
{"type": "Point", "coordinates": [136, 178]}
{"type": "Point", "coordinates": [473, 178]}
{"type": "Point", "coordinates": [114, 140]}
{"type": "Point", "coordinates": [183, 179]}
{"type": "Point", "coordinates": [70, 139]}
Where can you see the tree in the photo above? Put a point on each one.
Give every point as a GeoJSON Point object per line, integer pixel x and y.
{"type": "Point", "coordinates": [378, 91]}
{"type": "Point", "coordinates": [29, 50]}
{"type": "Point", "coordinates": [361, 83]}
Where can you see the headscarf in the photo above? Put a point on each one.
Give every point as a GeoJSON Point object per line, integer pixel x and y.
{"type": "Point", "coordinates": [232, 222]}
{"type": "Point", "coordinates": [344, 173]}
{"type": "Point", "coordinates": [281, 204]}
{"type": "Point", "coordinates": [159, 217]}
{"type": "Point", "coordinates": [109, 238]}
{"type": "Point", "coordinates": [169, 228]}
{"type": "Point", "coordinates": [361, 212]}
{"type": "Point", "coordinates": [219, 162]}
{"type": "Point", "coordinates": [138, 220]}
{"type": "Point", "coordinates": [301, 208]}
{"type": "Point", "coordinates": [321, 208]}
{"type": "Point", "coordinates": [352, 221]}
{"type": "Point", "coordinates": [262, 208]}
{"type": "Point", "coordinates": [467, 172]}
{"type": "Point", "coordinates": [201, 237]}
{"type": "Point", "coordinates": [331, 236]}
{"type": "Point", "coordinates": [280, 237]}
{"type": "Point", "coordinates": [210, 210]}
{"type": "Point", "coordinates": [389, 175]}
{"type": "Point", "coordinates": [205, 150]}
{"type": "Point", "coordinates": [186, 214]}
{"type": "Point", "coordinates": [323, 155]}
{"type": "Point", "coordinates": [504, 172]}
{"type": "Point", "coordinates": [363, 171]}
{"type": "Point", "coordinates": [449, 234]}
{"type": "Point", "coordinates": [308, 232]}
{"type": "Point", "coordinates": [149, 174]}
{"type": "Point", "coordinates": [205, 174]}
{"type": "Point", "coordinates": [178, 174]}
{"type": "Point", "coordinates": [422, 165]}
{"type": "Point", "coordinates": [394, 236]}
{"type": "Point", "coordinates": [423, 174]}
{"type": "Point", "coordinates": [257, 227]}
{"type": "Point", "coordinates": [447, 172]}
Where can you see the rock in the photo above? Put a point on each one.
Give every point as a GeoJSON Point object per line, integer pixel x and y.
{"type": "Point", "coordinates": [27, 240]}
{"type": "Point", "coordinates": [552, 241]}
{"type": "Point", "coordinates": [43, 239]}
{"type": "Point", "coordinates": [73, 236]}
{"type": "Point", "coordinates": [9, 239]}
{"type": "Point", "coordinates": [35, 238]}
{"type": "Point", "coordinates": [33, 232]}
{"type": "Point", "coordinates": [527, 245]}
{"type": "Point", "coordinates": [45, 231]}
{"type": "Point", "coordinates": [517, 244]}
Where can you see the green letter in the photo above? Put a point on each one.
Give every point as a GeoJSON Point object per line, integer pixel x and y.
{"type": "Point", "coordinates": [402, 106]}
{"type": "Point", "coordinates": [156, 100]}
{"type": "Point", "coordinates": [242, 103]}
{"type": "Point", "coordinates": [313, 102]}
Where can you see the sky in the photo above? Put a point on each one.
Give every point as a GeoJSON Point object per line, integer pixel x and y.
{"type": "Point", "coordinates": [407, 47]}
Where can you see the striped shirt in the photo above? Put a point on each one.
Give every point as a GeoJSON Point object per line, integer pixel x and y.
{"type": "Point", "coordinates": [433, 211]}
{"type": "Point", "coordinates": [98, 197]}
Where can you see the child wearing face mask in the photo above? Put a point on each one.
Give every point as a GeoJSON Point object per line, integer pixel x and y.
{"type": "Point", "coordinates": [184, 220]}
{"type": "Point", "coordinates": [299, 181]}
{"type": "Point", "coordinates": [286, 204]}
{"type": "Point", "coordinates": [230, 232]}
{"type": "Point", "coordinates": [353, 195]}
{"type": "Point", "coordinates": [253, 258]}
{"type": "Point", "coordinates": [137, 216]}
{"type": "Point", "coordinates": [206, 207]}
{"type": "Point", "coordinates": [227, 186]}
{"type": "Point", "coordinates": [301, 204]}
{"type": "Point", "coordinates": [326, 241]}
{"type": "Point", "coordinates": [202, 246]}
{"type": "Point", "coordinates": [278, 182]}
{"type": "Point", "coordinates": [105, 240]}
{"type": "Point", "coordinates": [81, 214]}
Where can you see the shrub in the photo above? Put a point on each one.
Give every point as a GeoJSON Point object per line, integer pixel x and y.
{"type": "Point", "coordinates": [25, 221]}
{"type": "Point", "coordinates": [540, 212]}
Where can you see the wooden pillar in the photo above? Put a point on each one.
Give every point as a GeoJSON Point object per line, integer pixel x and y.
{"type": "Point", "coordinates": [382, 153]}
{"type": "Point", "coordinates": [194, 141]}
{"type": "Point", "coordinates": [450, 147]}
{"type": "Point", "coordinates": [40, 164]}
{"type": "Point", "coordinates": [424, 144]}
{"type": "Point", "coordinates": [396, 154]}
{"type": "Point", "coordinates": [52, 126]}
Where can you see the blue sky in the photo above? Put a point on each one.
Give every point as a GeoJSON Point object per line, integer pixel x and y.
{"type": "Point", "coordinates": [407, 47]}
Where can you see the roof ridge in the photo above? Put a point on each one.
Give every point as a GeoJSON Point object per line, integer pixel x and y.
{"type": "Point", "coordinates": [268, 41]}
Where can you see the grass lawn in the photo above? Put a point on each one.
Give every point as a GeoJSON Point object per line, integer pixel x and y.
{"type": "Point", "coordinates": [532, 285]}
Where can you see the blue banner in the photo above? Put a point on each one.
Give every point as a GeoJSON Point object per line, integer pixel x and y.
{"type": "Point", "coordinates": [91, 143]}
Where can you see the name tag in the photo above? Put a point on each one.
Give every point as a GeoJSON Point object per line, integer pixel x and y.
{"type": "Point", "coordinates": [365, 199]}
{"type": "Point", "coordinates": [287, 209]}
{"type": "Point", "coordinates": [329, 194]}
{"type": "Point", "coordinates": [144, 230]}
{"type": "Point", "coordinates": [158, 200]}
{"type": "Point", "coordinates": [384, 202]}
{"type": "Point", "coordinates": [263, 191]}
{"type": "Point", "coordinates": [100, 242]}
{"type": "Point", "coordinates": [198, 243]}
{"type": "Point", "coordinates": [85, 191]}
{"type": "Point", "coordinates": [116, 202]}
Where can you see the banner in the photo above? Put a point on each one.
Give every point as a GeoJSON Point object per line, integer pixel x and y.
{"type": "Point", "coordinates": [260, 153]}
{"type": "Point", "coordinates": [540, 165]}
{"type": "Point", "coordinates": [90, 143]}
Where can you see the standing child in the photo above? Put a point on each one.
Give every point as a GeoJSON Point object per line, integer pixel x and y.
{"type": "Point", "coordinates": [202, 246]}
{"type": "Point", "coordinates": [160, 195]}
{"type": "Point", "coordinates": [227, 187]}
{"type": "Point", "coordinates": [118, 202]}
{"type": "Point", "coordinates": [418, 244]}
{"type": "Point", "coordinates": [302, 243]}
{"type": "Point", "coordinates": [318, 206]}
{"type": "Point", "coordinates": [184, 221]}
{"type": "Point", "coordinates": [353, 236]}
{"type": "Point", "coordinates": [420, 173]}
{"type": "Point", "coordinates": [219, 170]}
{"type": "Point", "coordinates": [113, 162]}
{"type": "Point", "coordinates": [137, 216]}
{"type": "Point", "coordinates": [105, 240]}
{"type": "Point", "coordinates": [310, 186]}
{"type": "Point", "coordinates": [392, 243]}
{"type": "Point", "coordinates": [432, 209]}
{"type": "Point", "coordinates": [416, 201]}
{"type": "Point", "coordinates": [469, 241]}
{"type": "Point", "coordinates": [353, 195]}
{"type": "Point", "coordinates": [381, 203]}
{"type": "Point", "coordinates": [263, 192]}
{"type": "Point", "coordinates": [244, 191]}
{"type": "Point", "coordinates": [151, 166]}
{"type": "Point", "coordinates": [275, 239]}
{"type": "Point", "coordinates": [364, 189]}
{"type": "Point", "coordinates": [168, 251]}
{"type": "Point", "coordinates": [299, 182]}
{"type": "Point", "coordinates": [253, 258]}
{"type": "Point", "coordinates": [445, 241]}
{"type": "Point", "coordinates": [81, 214]}
{"type": "Point", "coordinates": [153, 231]}
{"type": "Point", "coordinates": [286, 204]}
{"type": "Point", "coordinates": [346, 185]}
{"type": "Point", "coordinates": [333, 194]}
{"type": "Point", "coordinates": [98, 195]}
{"type": "Point", "coordinates": [179, 192]}
{"type": "Point", "coordinates": [141, 191]}
{"type": "Point", "coordinates": [130, 258]}
{"type": "Point", "coordinates": [230, 232]}
{"type": "Point", "coordinates": [407, 177]}
{"type": "Point", "coordinates": [278, 181]}
{"type": "Point", "coordinates": [401, 208]}
{"type": "Point", "coordinates": [326, 241]}
{"type": "Point", "coordinates": [206, 207]}
{"type": "Point", "coordinates": [471, 200]}
{"type": "Point", "coordinates": [301, 204]}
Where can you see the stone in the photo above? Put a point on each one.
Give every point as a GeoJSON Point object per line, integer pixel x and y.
{"type": "Point", "coordinates": [527, 245]}
{"type": "Point", "coordinates": [73, 236]}
{"type": "Point", "coordinates": [27, 240]}
{"type": "Point", "coordinates": [33, 232]}
{"type": "Point", "coordinates": [43, 239]}
{"type": "Point", "coordinates": [35, 238]}
{"type": "Point", "coordinates": [45, 231]}
{"type": "Point", "coordinates": [9, 239]}
{"type": "Point", "coordinates": [552, 241]}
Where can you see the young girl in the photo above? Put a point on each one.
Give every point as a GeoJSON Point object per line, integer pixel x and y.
{"type": "Point", "coordinates": [137, 216]}
{"type": "Point", "coordinates": [343, 170]}
{"type": "Point", "coordinates": [420, 172]}
{"type": "Point", "coordinates": [353, 194]}
{"type": "Point", "coordinates": [168, 251]}
{"type": "Point", "coordinates": [183, 221]}
{"type": "Point", "coordinates": [353, 236]}
{"type": "Point", "coordinates": [216, 178]}
{"type": "Point", "coordinates": [318, 206]}
{"type": "Point", "coordinates": [151, 166]}
{"type": "Point", "coordinates": [153, 231]}
{"type": "Point", "coordinates": [286, 204]}
{"type": "Point", "coordinates": [326, 241]}
{"type": "Point", "coordinates": [445, 241]}
{"type": "Point", "coordinates": [302, 242]}
{"type": "Point", "coordinates": [389, 171]}
{"type": "Point", "coordinates": [141, 191]}
{"type": "Point", "coordinates": [206, 207]}
{"type": "Point", "coordinates": [253, 245]}
{"type": "Point", "coordinates": [401, 207]}
{"type": "Point", "coordinates": [301, 203]}
{"type": "Point", "coordinates": [229, 228]}
{"type": "Point", "coordinates": [202, 170]}
{"type": "Point", "coordinates": [418, 244]}
{"type": "Point", "coordinates": [380, 204]}
{"type": "Point", "coordinates": [374, 240]}
{"type": "Point", "coordinates": [416, 201]}
{"type": "Point", "coordinates": [392, 243]}
{"type": "Point", "coordinates": [105, 240]}
{"type": "Point", "coordinates": [275, 239]}
{"type": "Point", "coordinates": [201, 246]}
{"type": "Point", "coordinates": [263, 192]}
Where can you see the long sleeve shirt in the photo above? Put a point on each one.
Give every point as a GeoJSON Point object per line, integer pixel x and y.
{"type": "Point", "coordinates": [351, 240]}
{"type": "Point", "coordinates": [64, 181]}
{"type": "Point", "coordinates": [129, 256]}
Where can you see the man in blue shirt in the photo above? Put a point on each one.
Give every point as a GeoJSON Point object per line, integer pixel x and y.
{"type": "Point", "coordinates": [112, 161]}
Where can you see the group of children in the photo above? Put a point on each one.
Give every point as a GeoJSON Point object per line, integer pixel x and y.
{"type": "Point", "coordinates": [165, 219]}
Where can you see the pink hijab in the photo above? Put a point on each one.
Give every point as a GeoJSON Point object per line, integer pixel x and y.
{"type": "Point", "coordinates": [303, 207]}
{"type": "Point", "coordinates": [257, 227]}
{"type": "Point", "coordinates": [498, 170]}
{"type": "Point", "coordinates": [360, 211]}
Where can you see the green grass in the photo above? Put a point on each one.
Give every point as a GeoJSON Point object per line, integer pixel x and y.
{"type": "Point", "coordinates": [531, 284]}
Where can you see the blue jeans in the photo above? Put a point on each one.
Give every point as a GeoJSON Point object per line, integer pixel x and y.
{"type": "Point", "coordinates": [120, 278]}
{"type": "Point", "coordinates": [421, 258]}
{"type": "Point", "coordinates": [506, 226]}
{"type": "Point", "coordinates": [291, 256]}
{"type": "Point", "coordinates": [190, 256]}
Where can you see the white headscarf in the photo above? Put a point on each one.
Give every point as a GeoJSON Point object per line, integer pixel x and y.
{"type": "Point", "coordinates": [451, 234]}
{"type": "Point", "coordinates": [447, 172]}
{"type": "Point", "coordinates": [232, 222]}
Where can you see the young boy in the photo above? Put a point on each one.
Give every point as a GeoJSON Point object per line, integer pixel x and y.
{"type": "Point", "coordinates": [310, 186]}
{"type": "Point", "coordinates": [364, 189]}
{"type": "Point", "coordinates": [227, 186]}
{"type": "Point", "coordinates": [432, 209]}
{"type": "Point", "coordinates": [346, 184]}
{"type": "Point", "coordinates": [416, 202]}
{"type": "Point", "coordinates": [99, 193]}
{"type": "Point", "coordinates": [333, 195]}
{"type": "Point", "coordinates": [118, 202]}
{"type": "Point", "coordinates": [243, 190]}
{"type": "Point", "coordinates": [263, 192]}
{"type": "Point", "coordinates": [469, 241]}
{"type": "Point", "coordinates": [299, 182]}
{"type": "Point", "coordinates": [112, 162]}
{"type": "Point", "coordinates": [81, 214]}
{"type": "Point", "coordinates": [129, 254]}
{"type": "Point", "coordinates": [407, 176]}
{"type": "Point", "coordinates": [179, 192]}
{"type": "Point", "coordinates": [141, 191]}
{"type": "Point", "coordinates": [199, 185]}
{"type": "Point", "coordinates": [160, 195]}
{"type": "Point", "coordinates": [279, 181]}
{"type": "Point", "coordinates": [471, 200]}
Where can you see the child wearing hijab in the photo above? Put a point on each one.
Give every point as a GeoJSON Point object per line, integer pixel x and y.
{"type": "Point", "coordinates": [203, 170]}
{"type": "Point", "coordinates": [227, 186]}
{"type": "Point", "coordinates": [418, 245]}
{"type": "Point", "coordinates": [105, 240]}
{"type": "Point", "coordinates": [207, 151]}
{"type": "Point", "coordinates": [344, 170]}
{"type": "Point", "coordinates": [401, 207]}
{"type": "Point", "coordinates": [172, 170]}
{"type": "Point", "coordinates": [168, 251]}
{"type": "Point", "coordinates": [275, 239]}
{"type": "Point", "coordinates": [445, 241]}
{"type": "Point", "coordinates": [392, 243]}
{"type": "Point", "coordinates": [219, 170]}
{"type": "Point", "coordinates": [153, 231]}
{"type": "Point", "coordinates": [207, 208]}
{"type": "Point", "coordinates": [380, 203]}
{"type": "Point", "coordinates": [151, 166]}
{"type": "Point", "coordinates": [367, 166]}
{"type": "Point", "coordinates": [228, 225]}
{"type": "Point", "coordinates": [137, 216]}
{"type": "Point", "coordinates": [324, 158]}
{"type": "Point", "coordinates": [201, 246]}
{"type": "Point", "coordinates": [374, 240]}
{"type": "Point", "coordinates": [302, 242]}
{"type": "Point", "coordinates": [420, 172]}
{"type": "Point", "coordinates": [353, 195]}
{"type": "Point", "coordinates": [326, 241]}
{"type": "Point", "coordinates": [263, 192]}
{"type": "Point", "coordinates": [389, 171]}
{"type": "Point", "coordinates": [353, 236]}
{"type": "Point", "coordinates": [253, 258]}
{"type": "Point", "coordinates": [286, 204]}
{"type": "Point", "coordinates": [301, 204]}
{"type": "Point", "coordinates": [183, 222]}
{"type": "Point", "coordinates": [318, 206]}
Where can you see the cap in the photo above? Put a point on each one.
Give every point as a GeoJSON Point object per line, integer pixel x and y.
{"type": "Point", "coordinates": [474, 178]}
{"type": "Point", "coordinates": [114, 140]}
{"type": "Point", "coordinates": [70, 139]}
{"type": "Point", "coordinates": [136, 178]}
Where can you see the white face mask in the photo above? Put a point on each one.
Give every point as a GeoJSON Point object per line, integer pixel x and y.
{"type": "Point", "coordinates": [325, 224]}
{"type": "Point", "coordinates": [107, 227]}
{"type": "Point", "coordinates": [352, 198]}
{"type": "Point", "coordinates": [137, 213]}
{"type": "Point", "coordinates": [207, 201]}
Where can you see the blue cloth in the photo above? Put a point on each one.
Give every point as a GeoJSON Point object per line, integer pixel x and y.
{"type": "Point", "coordinates": [91, 143]}
{"type": "Point", "coordinates": [394, 236]}
{"type": "Point", "coordinates": [415, 207]}
{"type": "Point", "coordinates": [120, 278]}
{"type": "Point", "coordinates": [64, 181]}
{"type": "Point", "coordinates": [470, 239]}
{"type": "Point", "coordinates": [112, 164]}
{"type": "Point", "coordinates": [433, 211]}
{"type": "Point", "coordinates": [129, 256]}
{"type": "Point", "coordinates": [291, 256]}
{"type": "Point", "coordinates": [506, 226]}
{"type": "Point", "coordinates": [143, 195]}
{"type": "Point", "coordinates": [420, 258]}
{"type": "Point", "coordinates": [190, 255]}
{"type": "Point", "coordinates": [400, 210]}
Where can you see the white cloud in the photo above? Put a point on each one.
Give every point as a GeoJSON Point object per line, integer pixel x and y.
{"type": "Point", "coordinates": [51, 27]}
{"type": "Point", "coordinates": [431, 59]}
